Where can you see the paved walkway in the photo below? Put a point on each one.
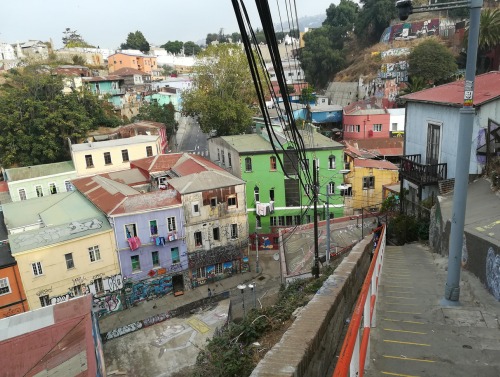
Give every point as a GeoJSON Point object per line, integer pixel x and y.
{"type": "Point", "coordinates": [417, 335]}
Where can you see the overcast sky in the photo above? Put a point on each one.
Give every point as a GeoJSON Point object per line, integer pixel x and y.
{"type": "Point", "coordinates": [106, 23]}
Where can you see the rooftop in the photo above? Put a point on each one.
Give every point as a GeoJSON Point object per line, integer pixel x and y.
{"type": "Point", "coordinates": [206, 180]}
{"type": "Point", "coordinates": [486, 89]}
{"type": "Point", "coordinates": [140, 139]}
{"type": "Point", "coordinates": [375, 147]}
{"type": "Point", "coordinates": [129, 72]}
{"type": "Point", "coordinates": [102, 78]}
{"type": "Point", "coordinates": [377, 164]}
{"type": "Point", "coordinates": [28, 172]}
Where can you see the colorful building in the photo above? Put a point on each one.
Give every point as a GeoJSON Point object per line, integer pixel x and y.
{"type": "Point", "coordinates": [273, 199]}
{"type": "Point", "coordinates": [64, 247]}
{"type": "Point", "coordinates": [12, 296]}
{"type": "Point", "coordinates": [149, 231]}
{"type": "Point", "coordinates": [134, 60]}
{"type": "Point", "coordinates": [364, 120]}
{"type": "Point", "coordinates": [110, 87]}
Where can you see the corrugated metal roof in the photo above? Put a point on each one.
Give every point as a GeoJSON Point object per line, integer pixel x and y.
{"type": "Point", "coordinates": [50, 341]}
{"type": "Point", "coordinates": [139, 139]}
{"type": "Point", "coordinates": [248, 143]}
{"type": "Point", "coordinates": [486, 88]}
{"type": "Point", "coordinates": [375, 147]}
{"type": "Point", "coordinates": [102, 78]}
{"type": "Point", "coordinates": [130, 72]}
{"type": "Point", "coordinates": [18, 174]}
{"type": "Point", "coordinates": [161, 162]}
{"type": "Point", "coordinates": [203, 181]}
{"type": "Point", "coordinates": [377, 164]}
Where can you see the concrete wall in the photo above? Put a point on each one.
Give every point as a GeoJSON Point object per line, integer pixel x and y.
{"type": "Point", "coordinates": [309, 346]}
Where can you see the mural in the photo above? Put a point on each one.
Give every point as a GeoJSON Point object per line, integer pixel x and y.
{"type": "Point", "coordinates": [107, 304]}
{"type": "Point", "coordinates": [411, 30]}
{"type": "Point", "coordinates": [493, 273]}
{"type": "Point", "coordinates": [486, 141]}
{"type": "Point", "coordinates": [148, 289]}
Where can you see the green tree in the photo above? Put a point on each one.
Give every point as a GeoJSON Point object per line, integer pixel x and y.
{"type": "Point", "coordinates": [158, 113]}
{"type": "Point", "coordinates": [223, 91]}
{"type": "Point", "coordinates": [235, 37]}
{"type": "Point", "coordinates": [489, 38]}
{"type": "Point", "coordinates": [175, 47]}
{"type": "Point", "coordinates": [307, 96]}
{"type": "Point", "coordinates": [341, 20]}
{"type": "Point", "coordinates": [432, 61]}
{"type": "Point", "coordinates": [71, 38]}
{"type": "Point", "coordinates": [136, 41]}
{"type": "Point", "coordinates": [78, 60]}
{"type": "Point", "coordinates": [319, 60]}
{"type": "Point", "coordinates": [37, 119]}
{"type": "Point", "coordinates": [191, 48]}
{"type": "Point", "coordinates": [211, 37]}
{"type": "Point", "coordinates": [167, 70]}
{"type": "Point", "coordinates": [373, 17]}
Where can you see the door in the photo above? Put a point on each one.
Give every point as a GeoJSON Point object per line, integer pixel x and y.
{"type": "Point", "coordinates": [433, 142]}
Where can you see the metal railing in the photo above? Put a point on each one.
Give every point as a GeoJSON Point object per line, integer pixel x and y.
{"type": "Point", "coordinates": [411, 168]}
{"type": "Point", "coordinates": [355, 352]}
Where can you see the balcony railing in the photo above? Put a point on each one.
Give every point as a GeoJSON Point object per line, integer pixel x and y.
{"type": "Point", "coordinates": [422, 174]}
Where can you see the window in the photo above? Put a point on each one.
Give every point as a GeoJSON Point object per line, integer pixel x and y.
{"type": "Point", "coordinates": [136, 264]}
{"type": "Point", "coordinates": [171, 224]}
{"type": "Point", "coordinates": [77, 290]}
{"type": "Point", "coordinates": [130, 230]}
{"type": "Point", "coordinates": [297, 220]}
{"type": "Point", "coordinates": [39, 191]}
{"type": "Point", "coordinates": [229, 162]}
{"type": "Point", "coordinates": [37, 268]}
{"type": "Point", "coordinates": [368, 182]}
{"type": "Point", "coordinates": [22, 194]}
{"type": "Point", "coordinates": [377, 127]}
{"type": "Point", "coordinates": [223, 158]}
{"type": "Point", "coordinates": [197, 239]}
{"type": "Point", "coordinates": [331, 188]}
{"type": "Point", "coordinates": [213, 202]}
{"type": "Point", "coordinates": [289, 220]}
{"type": "Point", "coordinates": [44, 300]}
{"type": "Point", "coordinates": [272, 163]}
{"type": "Point", "coordinates": [196, 209]}
{"type": "Point", "coordinates": [356, 128]}
{"type": "Point", "coordinates": [331, 162]}
{"type": "Point", "coordinates": [394, 127]}
{"type": "Point", "coordinates": [256, 194]}
{"type": "Point", "coordinates": [107, 158]}
{"type": "Point", "coordinates": [231, 201]}
{"type": "Point", "coordinates": [125, 155]}
{"type": "Point", "coordinates": [273, 221]}
{"type": "Point", "coordinates": [248, 164]}
{"type": "Point", "coordinates": [69, 261]}
{"type": "Point", "coordinates": [271, 195]}
{"type": "Point", "coordinates": [201, 272]}
{"type": "Point", "coordinates": [257, 222]}
{"type": "Point", "coordinates": [156, 258]}
{"type": "Point", "coordinates": [94, 253]}
{"type": "Point", "coordinates": [281, 220]}
{"type": "Point", "coordinates": [4, 286]}
{"type": "Point", "coordinates": [219, 268]}
{"type": "Point", "coordinates": [216, 234]}
{"type": "Point", "coordinates": [52, 188]}
{"type": "Point", "coordinates": [153, 227]}
{"type": "Point", "coordinates": [218, 154]}
{"type": "Point", "coordinates": [149, 151]}
{"type": "Point", "coordinates": [69, 187]}
{"type": "Point", "coordinates": [175, 255]}
{"type": "Point", "coordinates": [99, 287]}
{"type": "Point", "coordinates": [88, 161]}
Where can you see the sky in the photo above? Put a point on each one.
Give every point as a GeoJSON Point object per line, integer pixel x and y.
{"type": "Point", "coordinates": [106, 23]}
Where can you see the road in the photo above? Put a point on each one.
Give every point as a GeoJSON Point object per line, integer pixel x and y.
{"type": "Point", "coordinates": [189, 138]}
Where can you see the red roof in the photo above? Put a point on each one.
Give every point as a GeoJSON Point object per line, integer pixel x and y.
{"type": "Point", "coordinates": [161, 162]}
{"type": "Point", "coordinates": [62, 335]}
{"type": "Point", "coordinates": [368, 148]}
{"type": "Point", "coordinates": [377, 164]}
{"type": "Point", "coordinates": [129, 72]}
{"type": "Point", "coordinates": [4, 187]}
{"type": "Point", "coordinates": [486, 88]}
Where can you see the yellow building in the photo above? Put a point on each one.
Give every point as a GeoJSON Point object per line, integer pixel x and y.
{"type": "Point", "coordinates": [135, 60]}
{"type": "Point", "coordinates": [364, 183]}
{"type": "Point", "coordinates": [64, 247]}
{"type": "Point", "coordinates": [98, 157]}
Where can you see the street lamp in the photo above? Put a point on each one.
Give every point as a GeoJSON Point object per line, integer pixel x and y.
{"type": "Point", "coordinates": [253, 287]}
{"type": "Point", "coordinates": [465, 127]}
{"type": "Point", "coordinates": [257, 269]}
{"type": "Point", "coordinates": [242, 287]}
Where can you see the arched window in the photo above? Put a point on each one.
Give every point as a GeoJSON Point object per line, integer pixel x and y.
{"type": "Point", "coordinates": [272, 162]}
{"type": "Point", "coordinates": [331, 162]}
{"type": "Point", "coordinates": [256, 193]}
{"type": "Point", "coordinates": [248, 164]}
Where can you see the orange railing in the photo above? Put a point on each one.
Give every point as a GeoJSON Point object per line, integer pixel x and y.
{"type": "Point", "coordinates": [355, 352]}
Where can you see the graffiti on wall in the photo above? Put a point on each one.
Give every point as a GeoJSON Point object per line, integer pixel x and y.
{"type": "Point", "coordinates": [149, 289]}
{"type": "Point", "coordinates": [411, 30]}
{"type": "Point", "coordinates": [107, 304]}
{"type": "Point", "coordinates": [493, 273]}
{"type": "Point", "coordinates": [213, 256]}
{"type": "Point", "coordinates": [487, 139]}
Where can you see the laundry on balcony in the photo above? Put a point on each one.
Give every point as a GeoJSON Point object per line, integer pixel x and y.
{"type": "Point", "coordinates": [158, 241]}
{"type": "Point", "coordinates": [134, 243]}
{"type": "Point", "coordinates": [172, 236]}
{"type": "Point", "coordinates": [264, 209]}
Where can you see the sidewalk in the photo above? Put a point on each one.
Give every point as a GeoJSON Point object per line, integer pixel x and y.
{"type": "Point", "coordinates": [417, 334]}
{"type": "Point", "coordinates": [161, 305]}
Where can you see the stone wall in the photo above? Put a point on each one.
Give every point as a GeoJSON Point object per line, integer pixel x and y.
{"type": "Point", "coordinates": [309, 346]}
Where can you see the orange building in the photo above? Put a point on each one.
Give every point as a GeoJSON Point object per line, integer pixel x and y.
{"type": "Point", "coordinates": [141, 62]}
{"type": "Point", "coordinates": [12, 296]}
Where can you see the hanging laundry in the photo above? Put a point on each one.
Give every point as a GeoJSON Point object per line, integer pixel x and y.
{"type": "Point", "coordinates": [162, 240]}
{"type": "Point", "coordinates": [134, 243]}
{"type": "Point", "coordinates": [271, 206]}
{"type": "Point", "coordinates": [261, 209]}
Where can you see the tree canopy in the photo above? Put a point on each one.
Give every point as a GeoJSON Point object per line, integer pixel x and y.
{"type": "Point", "coordinates": [223, 91]}
{"type": "Point", "coordinates": [37, 119]}
{"type": "Point", "coordinates": [71, 38]}
{"type": "Point", "coordinates": [158, 113]}
{"type": "Point", "coordinates": [136, 41]}
{"type": "Point", "coordinates": [175, 47]}
{"type": "Point", "coordinates": [373, 18]}
{"type": "Point", "coordinates": [432, 61]}
{"type": "Point", "coordinates": [191, 48]}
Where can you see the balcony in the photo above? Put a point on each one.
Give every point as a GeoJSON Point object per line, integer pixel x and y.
{"type": "Point", "coordinates": [422, 174]}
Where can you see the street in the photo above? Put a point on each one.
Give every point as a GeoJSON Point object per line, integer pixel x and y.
{"type": "Point", "coordinates": [189, 138]}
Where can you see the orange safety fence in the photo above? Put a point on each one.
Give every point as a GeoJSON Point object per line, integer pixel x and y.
{"type": "Point", "coordinates": [354, 353]}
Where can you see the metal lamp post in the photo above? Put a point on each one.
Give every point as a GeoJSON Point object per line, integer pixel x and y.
{"type": "Point", "coordinates": [242, 287]}
{"type": "Point", "coordinates": [257, 268]}
{"type": "Point", "coordinates": [253, 287]}
{"type": "Point", "coordinates": [465, 127]}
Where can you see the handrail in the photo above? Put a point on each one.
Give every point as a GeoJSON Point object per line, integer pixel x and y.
{"type": "Point", "coordinates": [355, 352]}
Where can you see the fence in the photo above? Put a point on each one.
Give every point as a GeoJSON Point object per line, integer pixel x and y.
{"type": "Point", "coordinates": [355, 352]}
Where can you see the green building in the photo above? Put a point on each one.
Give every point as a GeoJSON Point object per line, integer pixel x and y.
{"type": "Point", "coordinates": [273, 199]}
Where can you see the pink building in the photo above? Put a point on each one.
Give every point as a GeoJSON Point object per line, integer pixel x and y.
{"type": "Point", "coordinates": [365, 120]}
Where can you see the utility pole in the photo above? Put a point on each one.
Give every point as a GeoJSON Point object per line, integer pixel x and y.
{"type": "Point", "coordinates": [328, 224]}
{"type": "Point", "coordinates": [257, 269]}
{"type": "Point", "coordinates": [315, 269]}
